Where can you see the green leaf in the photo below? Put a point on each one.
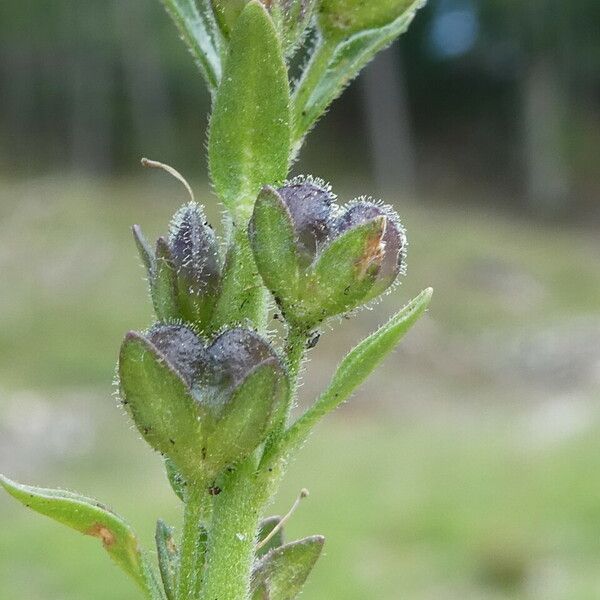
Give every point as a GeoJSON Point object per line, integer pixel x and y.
{"type": "Point", "coordinates": [198, 29]}
{"type": "Point", "coordinates": [144, 250]}
{"type": "Point", "coordinates": [249, 138]}
{"type": "Point", "coordinates": [90, 518]}
{"type": "Point", "coordinates": [350, 16]}
{"type": "Point", "coordinates": [345, 270]}
{"type": "Point", "coordinates": [281, 574]}
{"type": "Point", "coordinates": [168, 557]}
{"type": "Point", "coordinates": [272, 238]}
{"type": "Point", "coordinates": [243, 297]}
{"type": "Point", "coordinates": [163, 285]}
{"type": "Point", "coordinates": [176, 479]}
{"type": "Point", "coordinates": [357, 366]}
{"type": "Point", "coordinates": [264, 529]}
{"type": "Point", "coordinates": [336, 62]}
{"type": "Point", "coordinates": [248, 415]}
{"type": "Point", "coordinates": [161, 404]}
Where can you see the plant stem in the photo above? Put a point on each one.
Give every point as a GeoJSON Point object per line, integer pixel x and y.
{"type": "Point", "coordinates": [197, 501]}
{"type": "Point", "coordinates": [232, 535]}
{"type": "Point", "coordinates": [313, 75]}
{"type": "Point", "coordinates": [294, 351]}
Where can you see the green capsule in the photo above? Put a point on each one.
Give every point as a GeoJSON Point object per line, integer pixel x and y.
{"type": "Point", "coordinates": [345, 17]}
{"type": "Point", "coordinates": [319, 260]}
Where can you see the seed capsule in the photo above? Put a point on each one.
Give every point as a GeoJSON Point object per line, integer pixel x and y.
{"type": "Point", "coordinates": [203, 405]}
{"type": "Point", "coordinates": [184, 272]}
{"type": "Point", "coordinates": [319, 260]}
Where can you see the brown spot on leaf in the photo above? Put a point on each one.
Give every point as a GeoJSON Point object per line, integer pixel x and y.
{"type": "Point", "coordinates": [102, 533]}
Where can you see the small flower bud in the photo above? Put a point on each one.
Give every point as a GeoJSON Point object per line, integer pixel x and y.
{"type": "Point", "coordinates": [319, 260]}
{"type": "Point", "coordinates": [184, 272]}
{"type": "Point", "coordinates": [195, 255]}
{"type": "Point", "coordinates": [345, 17]}
{"type": "Point", "coordinates": [204, 406]}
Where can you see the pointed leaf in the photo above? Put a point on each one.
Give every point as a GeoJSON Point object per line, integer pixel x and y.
{"type": "Point", "coordinates": [88, 517]}
{"type": "Point", "coordinates": [358, 365]}
{"type": "Point", "coordinates": [168, 557]}
{"type": "Point", "coordinates": [281, 574]}
{"type": "Point", "coordinates": [272, 239]}
{"type": "Point", "coordinates": [264, 529]}
{"type": "Point", "coordinates": [144, 249]}
{"type": "Point", "coordinates": [337, 62]}
{"type": "Point", "coordinates": [161, 404]}
{"type": "Point", "coordinates": [249, 139]}
{"type": "Point", "coordinates": [198, 29]}
{"type": "Point", "coordinates": [163, 286]}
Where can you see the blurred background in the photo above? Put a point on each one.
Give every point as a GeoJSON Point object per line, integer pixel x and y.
{"type": "Point", "coordinates": [469, 467]}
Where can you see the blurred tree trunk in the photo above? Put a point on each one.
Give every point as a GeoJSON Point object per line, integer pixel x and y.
{"type": "Point", "coordinates": [388, 123]}
{"type": "Point", "coordinates": [92, 82]}
{"type": "Point", "coordinates": [145, 82]}
{"type": "Point", "coordinates": [544, 111]}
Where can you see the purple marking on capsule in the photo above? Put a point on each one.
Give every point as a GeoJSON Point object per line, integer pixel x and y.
{"type": "Point", "coordinates": [310, 206]}
{"type": "Point", "coordinates": [182, 348]}
{"type": "Point", "coordinates": [194, 249]}
{"type": "Point", "coordinates": [231, 357]}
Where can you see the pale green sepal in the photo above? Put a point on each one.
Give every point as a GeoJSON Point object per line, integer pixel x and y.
{"type": "Point", "coordinates": [90, 518]}
{"type": "Point", "coordinates": [168, 557]}
{"type": "Point", "coordinates": [161, 404]}
{"type": "Point", "coordinates": [163, 285]}
{"type": "Point", "coordinates": [265, 527]}
{"type": "Point", "coordinates": [272, 238]}
{"type": "Point", "coordinates": [248, 415]}
{"type": "Point", "coordinates": [343, 274]}
{"type": "Point", "coordinates": [281, 574]}
{"type": "Point", "coordinates": [337, 62]}
{"type": "Point", "coordinates": [198, 29]}
{"type": "Point", "coordinates": [358, 364]}
{"type": "Point", "coordinates": [176, 479]}
{"type": "Point", "coordinates": [350, 16]}
{"type": "Point", "coordinates": [144, 250]}
{"type": "Point", "coordinates": [249, 137]}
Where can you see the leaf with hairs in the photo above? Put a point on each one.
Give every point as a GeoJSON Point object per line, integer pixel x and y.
{"type": "Point", "coordinates": [90, 518]}
{"type": "Point", "coordinates": [198, 29]}
{"type": "Point", "coordinates": [249, 138]}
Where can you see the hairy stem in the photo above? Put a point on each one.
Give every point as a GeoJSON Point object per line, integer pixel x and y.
{"type": "Point", "coordinates": [294, 351]}
{"type": "Point", "coordinates": [192, 553]}
{"type": "Point", "coordinates": [232, 535]}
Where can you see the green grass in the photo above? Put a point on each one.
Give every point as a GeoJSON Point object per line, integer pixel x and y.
{"type": "Point", "coordinates": [440, 480]}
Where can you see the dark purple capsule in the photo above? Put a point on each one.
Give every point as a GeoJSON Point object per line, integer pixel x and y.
{"type": "Point", "coordinates": [394, 239]}
{"type": "Point", "coordinates": [180, 346]}
{"type": "Point", "coordinates": [231, 357]}
{"type": "Point", "coordinates": [194, 249]}
{"type": "Point", "coordinates": [310, 204]}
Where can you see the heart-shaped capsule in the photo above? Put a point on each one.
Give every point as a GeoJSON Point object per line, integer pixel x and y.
{"type": "Point", "coordinates": [319, 260]}
{"type": "Point", "coordinates": [203, 405]}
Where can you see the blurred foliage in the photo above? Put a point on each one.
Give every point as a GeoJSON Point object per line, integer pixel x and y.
{"type": "Point", "coordinates": [92, 86]}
